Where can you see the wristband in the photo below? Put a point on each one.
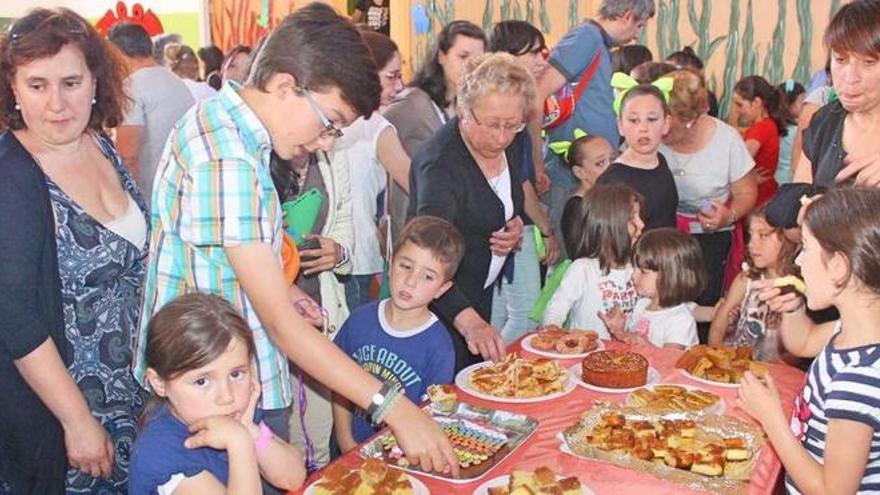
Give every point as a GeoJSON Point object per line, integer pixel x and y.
{"type": "Point", "coordinates": [382, 410]}
{"type": "Point", "coordinates": [379, 398]}
{"type": "Point", "coordinates": [264, 439]}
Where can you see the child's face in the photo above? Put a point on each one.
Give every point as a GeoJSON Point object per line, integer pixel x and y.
{"type": "Point", "coordinates": [643, 123]}
{"type": "Point", "coordinates": [221, 388]}
{"type": "Point", "coordinates": [416, 278]}
{"type": "Point", "coordinates": [821, 273]}
{"type": "Point", "coordinates": [747, 111]}
{"type": "Point", "coordinates": [764, 243]}
{"type": "Point", "coordinates": [596, 158]}
{"type": "Point", "coordinates": [635, 225]}
{"type": "Point", "coordinates": [645, 281]}
{"type": "Point", "coordinates": [797, 106]}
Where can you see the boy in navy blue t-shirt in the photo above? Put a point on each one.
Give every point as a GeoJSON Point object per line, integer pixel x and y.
{"type": "Point", "coordinates": [399, 339]}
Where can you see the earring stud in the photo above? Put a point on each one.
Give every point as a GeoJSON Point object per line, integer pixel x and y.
{"type": "Point", "coordinates": [17, 107]}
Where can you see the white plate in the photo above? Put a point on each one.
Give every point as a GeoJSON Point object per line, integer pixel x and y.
{"type": "Point", "coordinates": [419, 488]}
{"type": "Point", "coordinates": [709, 382]}
{"type": "Point", "coordinates": [574, 375]}
{"type": "Point", "coordinates": [716, 408]}
{"type": "Point", "coordinates": [462, 380]}
{"type": "Point", "coordinates": [527, 345]}
{"type": "Point", "coordinates": [502, 481]}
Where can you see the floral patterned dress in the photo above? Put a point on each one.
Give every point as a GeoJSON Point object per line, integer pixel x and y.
{"type": "Point", "coordinates": [101, 278]}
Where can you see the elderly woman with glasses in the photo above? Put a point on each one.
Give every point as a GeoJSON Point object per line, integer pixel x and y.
{"type": "Point", "coordinates": [72, 261]}
{"type": "Point", "coordinates": [471, 173]}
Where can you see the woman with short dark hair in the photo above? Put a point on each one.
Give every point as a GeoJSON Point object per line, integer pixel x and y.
{"type": "Point", "coordinates": [840, 144]}
{"type": "Point", "coordinates": [71, 274]}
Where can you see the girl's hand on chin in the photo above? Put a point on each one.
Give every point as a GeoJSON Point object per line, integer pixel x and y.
{"type": "Point", "coordinates": [218, 432]}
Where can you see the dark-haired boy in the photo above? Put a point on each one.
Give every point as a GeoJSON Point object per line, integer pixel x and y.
{"type": "Point", "coordinates": [399, 339]}
{"type": "Point", "coordinates": [217, 219]}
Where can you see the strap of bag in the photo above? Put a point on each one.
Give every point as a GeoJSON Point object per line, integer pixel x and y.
{"type": "Point", "coordinates": [588, 75]}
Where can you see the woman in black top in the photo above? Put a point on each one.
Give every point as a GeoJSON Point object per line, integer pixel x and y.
{"type": "Point", "coordinates": [69, 286]}
{"type": "Point", "coordinates": [469, 173]}
{"type": "Point", "coordinates": [841, 145]}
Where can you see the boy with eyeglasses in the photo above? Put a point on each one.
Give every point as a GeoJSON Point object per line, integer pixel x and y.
{"type": "Point", "coordinates": [217, 218]}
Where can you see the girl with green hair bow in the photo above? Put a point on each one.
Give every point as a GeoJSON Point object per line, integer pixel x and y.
{"type": "Point", "coordinates": [623, 84]}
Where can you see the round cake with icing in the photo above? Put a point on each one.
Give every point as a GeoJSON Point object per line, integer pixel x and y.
{"type": "Point", "coordinates": [615, 369]}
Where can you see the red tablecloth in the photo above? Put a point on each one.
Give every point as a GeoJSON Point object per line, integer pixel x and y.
{"type": "Point", "coordinates": [542, 449]}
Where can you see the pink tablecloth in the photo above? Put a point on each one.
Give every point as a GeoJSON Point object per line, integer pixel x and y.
{"type": "Point", "coordinates": [542, 449]}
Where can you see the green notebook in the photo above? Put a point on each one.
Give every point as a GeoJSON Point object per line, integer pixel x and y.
{"type": "Point", "coordinates": [301, 214]}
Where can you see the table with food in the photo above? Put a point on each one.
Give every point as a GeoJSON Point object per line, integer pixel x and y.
{"type": "Point", "coordinates": [567, 413]}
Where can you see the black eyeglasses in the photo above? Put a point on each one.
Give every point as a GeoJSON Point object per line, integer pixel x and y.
{"type": "Point", "coordinates": [21, 29]}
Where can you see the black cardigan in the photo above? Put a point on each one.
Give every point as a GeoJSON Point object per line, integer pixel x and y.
{"type": "Point", "coordinates": [445, 181]}
{"type": "Point", "coordinates": [30, 312]}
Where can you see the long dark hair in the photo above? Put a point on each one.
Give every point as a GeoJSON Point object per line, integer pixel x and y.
{"type": "Point", "coordinates": [430, 78]}
{"type": "Point", "coordinates": [604, 225]}
{"type": "Point", "coordinates": [751, 87]}
{"type": "Point", "coordinates": [789, 91]}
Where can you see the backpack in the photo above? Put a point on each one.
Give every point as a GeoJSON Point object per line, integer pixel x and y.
{"type": "Point", "coordinates": [559, 107]}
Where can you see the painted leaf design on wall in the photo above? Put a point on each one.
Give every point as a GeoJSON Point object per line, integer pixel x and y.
{"type": "Point", "coordinates": [487, 15]}
{"type": "Point", "coordinates": [546, 27]}
{"type": "Point", "coordinates": [774, 69]}
{"type": "Point", "coordinates": [805, 22]}
{"type": "Point", "coordinates": [731, 55]}
{"type": "Point", "coordinates": [750, 52]}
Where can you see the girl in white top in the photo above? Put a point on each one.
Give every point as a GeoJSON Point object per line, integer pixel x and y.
{"type": "Point", "coordinates": [600, 277]}
{"type": "Point", "coordinates": [669, 274]}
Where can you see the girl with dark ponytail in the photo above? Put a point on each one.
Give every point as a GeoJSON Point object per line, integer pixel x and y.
{"type": "Point", "coordinates": [759, 107]}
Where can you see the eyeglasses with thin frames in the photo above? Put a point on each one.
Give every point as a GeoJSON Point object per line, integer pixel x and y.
{"type": "Point", "coordinates": [330, 130]}
{"type": "Point", "coordinates": [509, 128]}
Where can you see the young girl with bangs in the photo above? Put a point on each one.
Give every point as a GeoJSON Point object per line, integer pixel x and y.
{"type": "Point", "coordinates": [600, 277]}
{"type": "Point", "coordinates": [669, 275]}
{"type": "Point", "coordinates": [742, 317]}
{"type": "Point", "coordinates": [203, 434]}
{"type": "Point", "coordinates": [831, 443]}
{"type": "Point", "coordinates": [643, 120]}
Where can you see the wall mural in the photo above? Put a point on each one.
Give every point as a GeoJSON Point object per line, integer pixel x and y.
{"type": "Point", "coordinates": [734, 38]}
{"type": "Point", "coordinates": [145, 18]}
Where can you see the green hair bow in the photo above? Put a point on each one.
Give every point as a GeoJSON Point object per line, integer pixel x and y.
{"type": "Point", "coordinates": [623, 83]}
{"type": "Point", "coordinates": [564, 147]}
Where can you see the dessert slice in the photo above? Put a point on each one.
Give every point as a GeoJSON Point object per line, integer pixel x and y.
{"type": "Point", "coordinates": [544, 476]}
{"type": "Point", "coordinates": [736, 449]}
{"type": "Point", "coordinates": [789, 283]}
{"type": "Point", "coordinates": [570, 486]}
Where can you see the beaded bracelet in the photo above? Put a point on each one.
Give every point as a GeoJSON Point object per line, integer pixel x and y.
{"type": "Point", "coordinates": [393, 396]}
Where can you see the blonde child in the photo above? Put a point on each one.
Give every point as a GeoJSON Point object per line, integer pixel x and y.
{"type": "Point", "coordinates": [587, 157]}
{"type": "Point", "coordinates": [643, 120]}
{"type": "Point", "coordinates": [669, 275]}
{"type": "Point", "coordinates": [831, 444]}
{"type": "Point", "coordinates": [742, 317]}
{"type": "Point", "coordinates": [600, 277]}
{"type": "Point", "coordinates": [204, 435]}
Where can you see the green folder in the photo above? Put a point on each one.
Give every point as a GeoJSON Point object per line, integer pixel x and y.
{"type": "Point", "coordinates": [302, 213]}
